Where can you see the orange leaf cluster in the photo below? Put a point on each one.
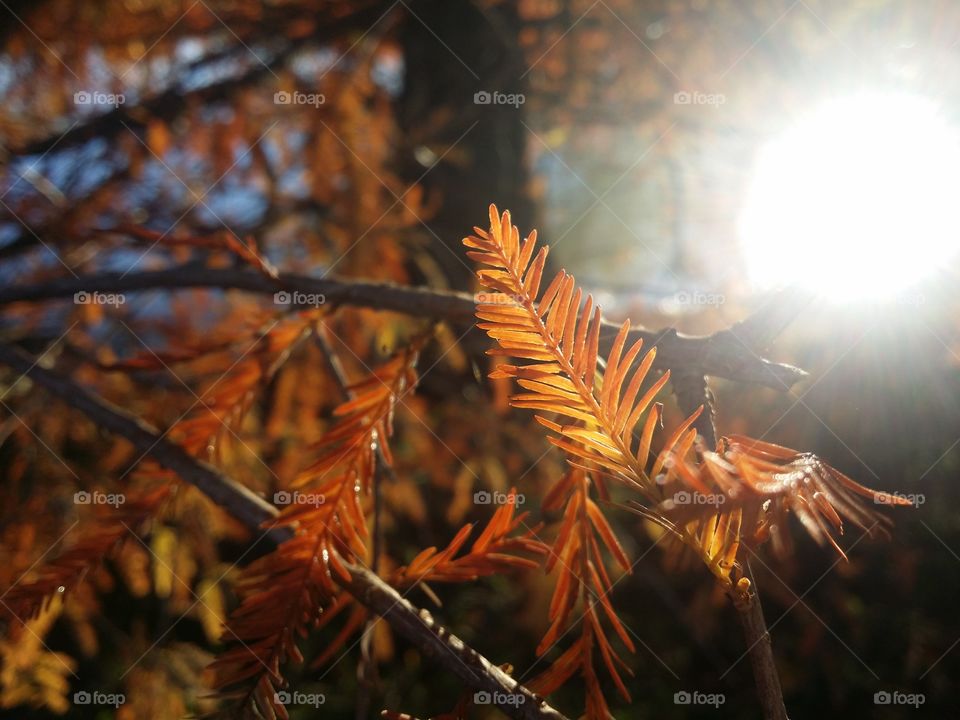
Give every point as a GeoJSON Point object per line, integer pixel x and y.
{"type": "Point", "coordinates": [603, 417]}
{"type": "Point", "coordinates": [293, 589]}
{"type": "Point", "coordinates": [285, 592]}
{"type": "Point", "coordinates": [583, 576]}
{"type": "Point", "coordinates": [225, 401]}
{"type": "Point", "coordinates": [223, 405]}
{"type": "Point", "coordinates": [558, 330]}
{"type": "Point", "coordinates": [113, 526]}
{"type": "Point", "coordinates": [755, 485]}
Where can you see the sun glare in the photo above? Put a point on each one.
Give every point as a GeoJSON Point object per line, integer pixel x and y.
{"type": "Point", "coordinates": [858, 200]}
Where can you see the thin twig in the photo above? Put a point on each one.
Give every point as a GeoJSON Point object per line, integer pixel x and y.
{"type": "Point", "coordinates": [754, 334]}
{"type": "Point", "coordinates": [419, 627]}
{"type": "Point", "coordinates": [746, 601]}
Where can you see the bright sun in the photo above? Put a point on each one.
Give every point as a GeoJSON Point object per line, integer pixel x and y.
{"type": "Point", "coordinates": [858, 200]}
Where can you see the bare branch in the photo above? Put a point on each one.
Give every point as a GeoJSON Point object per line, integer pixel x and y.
{"type": "Point", "coordinates": [692, 391]}
{"type": "Point", "coordinates": [238, 501]}
{"type": "Point", "coordinates": [723, 354]}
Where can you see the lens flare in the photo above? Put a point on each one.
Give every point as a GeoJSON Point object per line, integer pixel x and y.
{"type": "Point", "coordinates": [857, 201]}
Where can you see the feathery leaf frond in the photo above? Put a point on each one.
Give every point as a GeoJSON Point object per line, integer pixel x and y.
{"type": "Point", "coordinates": [285, 592]}
{"type": "Point", "coordinates": [493, 552]}
{"type": "Point", "coordinates": [601, 408]}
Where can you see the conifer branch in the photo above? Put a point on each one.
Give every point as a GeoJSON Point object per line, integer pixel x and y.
{"type": "Point", "coordinates": [254, 512]}
{"type": "Point", "coordinates": [599, 418]}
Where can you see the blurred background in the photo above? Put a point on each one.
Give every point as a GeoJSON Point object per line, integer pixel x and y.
{"type": "Point", "coordinates": [684, 159]}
